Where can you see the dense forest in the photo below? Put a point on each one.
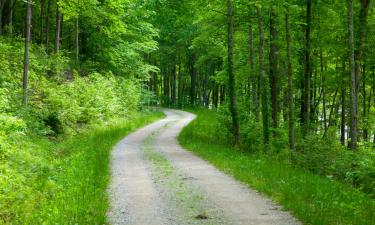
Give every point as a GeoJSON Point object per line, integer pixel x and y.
{"type": "Point", "coordinates": [290, 80]}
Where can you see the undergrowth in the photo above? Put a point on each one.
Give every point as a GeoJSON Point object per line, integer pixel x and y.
{"type": "Point", "coordinates": [311, 198]}
{"type": "Point", "coordinates": [64, 181]}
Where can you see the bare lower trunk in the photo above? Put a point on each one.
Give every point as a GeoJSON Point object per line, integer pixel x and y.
{"type": "Point", "coordinates": [2, 4]}
{"type": "Point", "coordinates": [174, 84]}
{"type": "Point", "coordinates": [41, 20]}
{"type": "Point", "coordinates": [290, 83]}
{"type": "Point", "coordinates": [263, 79]}
{"type": "Point", "coordinates": [253, 76]}
{"type": "Point", "coordinates": [47, 23]}
{"type": "Point", "coordinates": [343, 107]}
{"type": "Point", "coordinates": [192, 80]}
{"type": "Point", "coordinates": [77, 43]}
{"type": "Point", "coordinates": [274, 80]}
{"type": "Point", "coordinates": [11, 9]}
{"type": "Point", "coordinates": [58, 28]}
{"type": "Point", "coordinates": [307, 73]}
{"type": "Point", "coordinates": [26, 54]}
{"type": "Point", "coordinates": [232, 82]}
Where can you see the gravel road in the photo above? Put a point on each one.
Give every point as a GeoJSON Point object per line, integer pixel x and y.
{"type": "Point", "coordinates": [154, 181]}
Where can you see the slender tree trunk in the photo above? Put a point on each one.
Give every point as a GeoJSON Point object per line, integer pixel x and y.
{"type": "Point", "coordinates": [232, 82]}
{"type": "Point", "coordinates": [26, 55]}
{"type": "Point", "coordinates": [174, 84]}
{"type": "Point", "coordinates": [307, 73]}
{"type": "Point", "coordinates": [156, 87]}
{"type": "Point", "coordinates": [343, 106]}
{"type": "Point", "coordinates": [364, 93]}
{"type": "Point", "coordinates": [323, 91]}
{"type": "Point", "coordinates": [355, 80]}
{"type": "Point", "coordinates": [41, 20]}
{"type": "Point", "coordinates": [263, 80]}
{"type": "Point", "coordinates": [253, 76]}
{"type": "Point", "coordinates": [166, 87]}
{"type": "Point", "coordinates": [222, 94]}
{"type": "Point", "coordinates": [274, 80]}
{"type": "Point", "coordinates": [2, 4]}
{"type": "Point", "coordinates": [353, 98]}
{"type": "Point", "coordinates": [77, 43]}
{"type": "Point", "coordinates": [11, 10]}
{"type": "Point", "coordinates": [47, 24]}
{"type": "Point", "coordinates": [58, 28]}
{"type": "Point", "coordinates": [290, 83]}
{"type": "Point", "coordinates": [192, 80]}
{"type": "Point", "coordinates": [330, 120]}
{"type": "Point", "coordinates": [180, 96]}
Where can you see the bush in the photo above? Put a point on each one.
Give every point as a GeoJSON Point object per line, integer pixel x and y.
{"type": "Point", "coordinates": [326, 157]}
{"type": "Point", "coordinates": [60, 103]}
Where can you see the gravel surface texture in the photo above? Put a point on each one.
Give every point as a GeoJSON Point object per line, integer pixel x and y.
{"type": "Point", "coordinates": [154, 181]}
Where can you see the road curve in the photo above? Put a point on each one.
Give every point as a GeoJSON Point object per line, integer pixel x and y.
{"type": "Point", "coordinates": [136, 198]}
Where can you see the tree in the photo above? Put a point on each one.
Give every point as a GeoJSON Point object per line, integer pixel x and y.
{"type": "Point", "coordinates": [305, 116]}
{"type": "Point", "coordinates": [26, 54]}
{"type": "Point", "coordinates": [253, 76]}
{"type": "Point", "coordinates": [58, 28]}
{"type": "Point", "coordinates": [353, 98]}
{"type": "Point", "coordinates": [274, 80]}
{"type": "Point", "coordinates": [263, 80]}
{"type": "Point", "coordinates": [355, 72]}
{"type": "Point", "coordinates": [290, 82]}
{"type": "Point", "coordinates": [231, 79]}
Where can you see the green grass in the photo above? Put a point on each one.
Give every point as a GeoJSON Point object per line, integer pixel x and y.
{"type": "Point", "coordinates": [311, 198]}
{"type": "Point", "coordinates": [72, 189]}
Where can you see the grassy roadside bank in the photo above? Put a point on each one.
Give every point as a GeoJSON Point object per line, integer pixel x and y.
{"type": "Point", "coordinates": [69, 186]}
{"type": "Point", "coordinates": [311, 198]}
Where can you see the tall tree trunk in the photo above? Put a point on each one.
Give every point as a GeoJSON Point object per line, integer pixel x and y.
{"type": "Point", "coordinates": [11, 10]}
{"type": "Point", "coordinates": [180, 95]}
{"type": "Point", "coordinates": [41, 20]}
{"type": "Point", "coordinates": [253, 76]}
{"type": "Point", "coordinates": [47, 24]}
{"type": "Point", "coordinates": [26, 54]}
{"type": "Point", "coordinates": [343, 106]}
{"type": "Point", "coordinates": [58, 28]}
{"type": "Point", "coordinates": [364, 93]}
{"type": "Point", "coordinates": [290, 83]}
{"type": "Point", "coordinates": [2, 4]}
{"type": "Point", "coordinates": [192, 80]}
{"type": "Point", "coordinates": [166, 86]}
{"type": "Point", "coordinates": [363, 15]}
{"type": "Point", "coordinates": [274, 80]}
{"type": "Point", "coordinates": [222, 94]}
{"type": "Point", "coordinates": [77, 43]}
{"type": "Point", "coordinates": [232, 82]}
{"type": "Point", "coordinates": [323, 91]}
{"type": "Point", "coordinates": [330, 120]}
{"type": "Point", "coordinates": [307, 73]}
{"type": "Point", "coordinates": [263, 80]}
{"type": "Point", "coordinates": [353, 98]}
{"type": "Point", "coordinates": [174, 84]}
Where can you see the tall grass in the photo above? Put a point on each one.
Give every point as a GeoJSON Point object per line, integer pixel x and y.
{"type": "Point", "coordinates": [311, 198]}
{"type": "Point", "coordinates": [73, 190]}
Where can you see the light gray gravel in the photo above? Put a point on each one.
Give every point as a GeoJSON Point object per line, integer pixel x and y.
{"type": "Point", "coordinates": [138, 197]}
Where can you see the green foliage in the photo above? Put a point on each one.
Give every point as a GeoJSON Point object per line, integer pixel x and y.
{"type": "Point", "coordinates": [62, 182]}
{"type": "Point", "coordinates": [328, 158]}
{"type": "Point", "coordinates": [48, 180]}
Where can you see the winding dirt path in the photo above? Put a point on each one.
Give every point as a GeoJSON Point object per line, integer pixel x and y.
{"type": "Point", "coordinates": [157, 182]}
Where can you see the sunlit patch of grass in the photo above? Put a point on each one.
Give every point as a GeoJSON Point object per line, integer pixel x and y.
{"type": "Point", "coordinates": [311, 198]}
